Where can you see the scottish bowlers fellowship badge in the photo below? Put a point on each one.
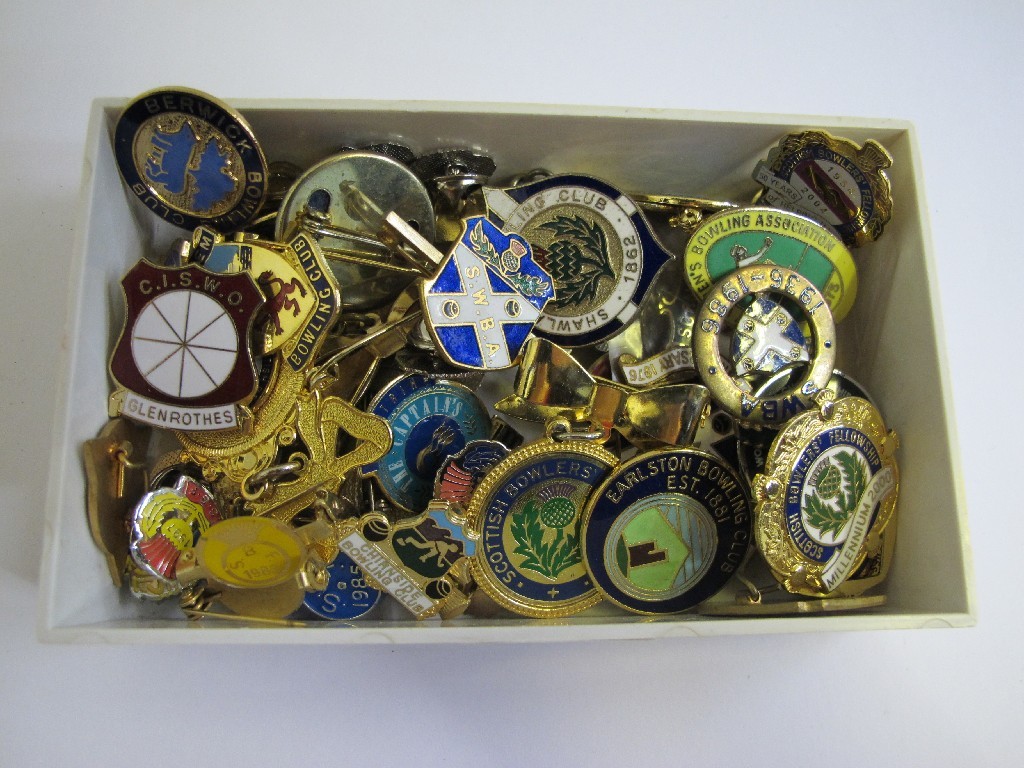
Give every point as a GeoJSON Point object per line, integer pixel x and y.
{"type": "Point", "coordinates": [827, 493]}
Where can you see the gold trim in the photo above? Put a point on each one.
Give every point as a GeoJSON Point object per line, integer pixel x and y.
{"type": "Point", "coordinates": [479, 502]}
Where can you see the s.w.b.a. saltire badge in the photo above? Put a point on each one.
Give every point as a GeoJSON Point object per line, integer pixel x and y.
{"type": "Point", "coordinates": [183, 359]}
{"type": "Point", "coordinates": [191, 159]}
{"type": "Point", "coordinates": [486, 297]}
{"type": "Point", "coordinates": [596, 245]}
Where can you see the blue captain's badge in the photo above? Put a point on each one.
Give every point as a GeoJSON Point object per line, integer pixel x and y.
{"type": "Point", "coordinates": [485, 299]}
{"type": "Point", "coordinates": [430, 420]}
{"type": "Point", "coordinates": [596, 245]}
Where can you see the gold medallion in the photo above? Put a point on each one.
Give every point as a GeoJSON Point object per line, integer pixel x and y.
{"type": "Point", "coordinates": [828, 492]}
{"type": "Point", "coordinates": [526, 517]}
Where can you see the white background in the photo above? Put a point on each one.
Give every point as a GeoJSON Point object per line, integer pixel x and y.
{"type": "Point", "coordinates": [949, 697]}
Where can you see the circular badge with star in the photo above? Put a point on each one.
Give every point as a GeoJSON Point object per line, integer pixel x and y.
{"type": "Point", "coordinates": [666, 531]}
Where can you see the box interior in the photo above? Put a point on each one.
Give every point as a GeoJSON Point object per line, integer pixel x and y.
{"type": "Point", "coordinates": [890, 342]}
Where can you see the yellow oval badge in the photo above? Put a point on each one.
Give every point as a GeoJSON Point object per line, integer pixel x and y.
{"type": "Point", "coordinates": [251, 552]}
{"type": "Point", "coordinates": [741, 237]}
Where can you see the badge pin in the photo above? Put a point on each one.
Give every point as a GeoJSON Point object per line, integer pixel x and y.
{"type": "Point", "coordinates": [656, 347]}
{"type": "Point", "coordinates": [596, 245]}
{"type": "Point", "coordinates": [712, 321]}
{"type": "Point", "coordinates": [832, 180]}
{"type": "Point", "coordinates": [429, 421]}
{"type": "Point", "coordinates": [183, 358]}
{"type": "Point", "coordinates": [191, 159]}
{"type": "Point", "coordinates": [486, 298]}
{"type": "Point", "coordinates": [742, 237]}
{"type": "Point", "coordinates": [348, 595]}
{"type": "Point", "coordinates": [115, 477]}
{"type": "Point", "coordinates": [169, 521]}
{"type": "Point", "coordinates": [460, 474]}
{"type": "Point", "coordinates": [302, 296]}
{"type": "Point", "coordinates": [342, 202]}
{"type": "Point", "coordinates": [666, 530]}
{"type": "Point", "coordinates": [828, 490]}
{"type": "Point", "coordinates": [256, 566]}
{"type": "Point", "coordinates": [753, 441]}
{"type": "Point", "coordinates": [526, 517]}
{"type": "Point", "coordinates": [417, 561]}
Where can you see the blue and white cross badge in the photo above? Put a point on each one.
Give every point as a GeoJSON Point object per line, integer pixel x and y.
{"type": "Point", "coordinates": [486, 297]}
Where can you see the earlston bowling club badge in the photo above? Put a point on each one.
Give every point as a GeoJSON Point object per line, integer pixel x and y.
{"type": "Point", "coordinates": [183, 360]}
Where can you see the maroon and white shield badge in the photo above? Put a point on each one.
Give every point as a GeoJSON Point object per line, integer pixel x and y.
{"type": "Point", "coordinates": [183, 358]}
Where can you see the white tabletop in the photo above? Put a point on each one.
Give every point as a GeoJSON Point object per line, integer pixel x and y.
{"type": "Point", "coordinates": [888, 698]}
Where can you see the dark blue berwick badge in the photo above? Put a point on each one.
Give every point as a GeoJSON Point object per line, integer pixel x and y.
{"type": "Point", "coordinates": [191, 159]}
{"type": "Point", "coordinates": [596, 245]}
{"type": "Point", "coordinates": [486, 298]}
{"type": "Point", "coordinates": [430, 420]}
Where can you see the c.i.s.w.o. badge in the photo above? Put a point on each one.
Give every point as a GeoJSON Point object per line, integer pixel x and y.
{"type": "Point", "coordinates": [183, 360]}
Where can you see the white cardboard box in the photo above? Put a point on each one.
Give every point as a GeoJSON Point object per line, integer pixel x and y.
{"type": "Point", "coordinates": [892, 342]}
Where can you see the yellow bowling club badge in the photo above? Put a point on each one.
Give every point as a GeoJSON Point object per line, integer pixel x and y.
{"type": "Point", "coordinates": [827, 493]}
{"type": "Point", "coordinates": [191, 159]}
{"type": "Point", "coordinates": [303, 299]}
{"type": "Point", "coordinates": [183, 359]}
{"type": "Point", "coordinates": [666, 530]}
{"type": "Point", "coordinates": [757, 235]}
{"type": "Point", "coordinates": [526, 516]}
{"type": "Point", "coordinates": [257, 566]}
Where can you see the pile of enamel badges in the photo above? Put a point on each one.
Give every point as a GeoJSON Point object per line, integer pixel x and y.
{"type": "Point", "coordinates": [394, 383]}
